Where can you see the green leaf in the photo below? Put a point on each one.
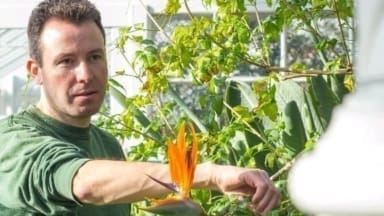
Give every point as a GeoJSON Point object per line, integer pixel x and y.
{"type": "Point", "coordinates": [314, 123]}
{"type": "Point", "coordinates": [338, 87]}
{"type": "Point", "coordinates": [319, 3]}
{"type": "Point", "coordinates": [270, 110]}
{"type": "Point", "coordinates": [349, 82]}
{"type": "Point", "coordinates": [218, 104]}
{"type": "Point", "coordinates": [298, 124]}
{"type": "Point", "coordinates": [115, 89]}
{"type": "Point", "coordinates": [324, 99]}
{"type": "Point", "coordinates": [294, 136]}
{"type": "Point", "coordinates": [172, 7]}
{"type": "Point", "coordinates": [186, 207]}
{"type": "Point", "coordinates": [243, 35]}
{"type": "Point", "coordinates": [243, 113]}
{"type": "Point", "coordinates": [205, 43]}
{"type": "Point", "coordinates": [150, 49]}
{"type": "Point", "coordinates": [288, 92]}
{"type": "Point", "coordinates": [207, 2]}
{"type": "Point", "coordinates": [270, 159]}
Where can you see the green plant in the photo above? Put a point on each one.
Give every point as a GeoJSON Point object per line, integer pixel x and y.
{"type": "Point", "coordinates": [266, 123]}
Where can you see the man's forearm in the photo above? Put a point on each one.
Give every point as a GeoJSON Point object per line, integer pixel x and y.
{"type": "Point", "coordinates": [108, 182]}
{"type": "Point", "coordinates": [204, 177]}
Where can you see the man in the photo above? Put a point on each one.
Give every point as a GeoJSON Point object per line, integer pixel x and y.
{"type": "Point", "coordinates": [53, 161]}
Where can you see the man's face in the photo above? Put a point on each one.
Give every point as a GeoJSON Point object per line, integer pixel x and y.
{"type": "Point", "coordinates": [73, 73]}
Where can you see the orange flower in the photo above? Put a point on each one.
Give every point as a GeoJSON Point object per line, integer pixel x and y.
{"type": "Point", "coordinates": [183, 161]}
{"type": "Point", "coordinates": [182, 158]}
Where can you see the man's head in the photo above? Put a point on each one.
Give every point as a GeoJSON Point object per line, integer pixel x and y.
{"type": "Point", "coordinates": [74, 11]}
{"type": "Point", "coordinates": [68, 59]}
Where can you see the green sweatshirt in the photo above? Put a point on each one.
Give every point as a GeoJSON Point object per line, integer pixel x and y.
{"type": "Point", "coordinates": [39, 157]}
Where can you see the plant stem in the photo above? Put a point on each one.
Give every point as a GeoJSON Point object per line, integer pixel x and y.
{"type": "Point", "coordinates": [162, 116]}
{"type": "Point", "coordinates": [188, 10]}
{"type": "Point", "coordinates": [342, 33]}
{"type": "Point", "coordinates": [126, 128]}
{"type": "Point", "coordinates": [313, 72]}
{"type": "Point", "coordinates": [287, 166]}
{"type": "Point", "coordinates": [155, 22]}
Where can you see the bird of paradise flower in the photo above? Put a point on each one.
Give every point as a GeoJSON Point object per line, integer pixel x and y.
{"type": "Point", "coordinates": [182, 164]}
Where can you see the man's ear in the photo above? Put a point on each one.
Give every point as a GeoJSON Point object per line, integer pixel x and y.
{"type": "Point", "coordinates": [34, 71]}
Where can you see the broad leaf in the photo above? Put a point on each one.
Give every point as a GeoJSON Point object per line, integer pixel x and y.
{"type": "Point", "coordinates": [176, 207]}
{"type": "Point", "coordinates": [325, 99]}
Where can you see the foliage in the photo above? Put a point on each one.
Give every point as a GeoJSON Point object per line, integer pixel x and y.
{"type": "Point", "coordinates": [266, 123]}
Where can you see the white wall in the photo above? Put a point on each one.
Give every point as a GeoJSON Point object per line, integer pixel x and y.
{"type": "Point", "coordinates": [15, 13]}
{"type": "Point", "coordinates": [16, 92]}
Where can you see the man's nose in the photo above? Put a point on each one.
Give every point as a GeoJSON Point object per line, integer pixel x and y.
{"type": "Point", "coordinates": [84, 72]}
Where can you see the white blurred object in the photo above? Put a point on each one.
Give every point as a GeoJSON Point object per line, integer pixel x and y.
{"type": "Point", "coordinates": [344, 174]}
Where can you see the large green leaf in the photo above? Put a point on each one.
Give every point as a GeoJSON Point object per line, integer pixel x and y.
{"type": "Point", "coordinates": [186, 207]}
{"type": "Point", "coordinates": [288, 91]}
{"type": "Point", "coordinates": [314, 122]}
{"type": "Point", "coordinates": [116, 90]}
{"type": "Point", "coordinates": [337, 86]}
{"type": "Point", "coordinates": [324, 99]}
{"type": "Point", "coordinates": [291, 102]}
{"type": "Point", "coordinates": [294, 136]}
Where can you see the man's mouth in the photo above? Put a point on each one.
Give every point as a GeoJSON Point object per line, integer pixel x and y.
{"type": "Point", "coordinates": [85, 94]}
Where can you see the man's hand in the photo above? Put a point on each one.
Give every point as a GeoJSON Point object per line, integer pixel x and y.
{"type": "Point", "coordinates": [251, 182]}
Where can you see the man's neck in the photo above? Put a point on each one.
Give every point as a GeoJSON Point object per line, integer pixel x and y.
{"type": "Point", "coordinates": [82, 122]}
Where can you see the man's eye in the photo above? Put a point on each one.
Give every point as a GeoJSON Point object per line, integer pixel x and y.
{"type": "Point", "coordinates": [66, 61]}
{"type": "Point", "coordinates": [96, 57]}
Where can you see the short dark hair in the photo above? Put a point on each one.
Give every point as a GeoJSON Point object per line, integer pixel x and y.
{"type": "Point", "coordinates": [74, 11]}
